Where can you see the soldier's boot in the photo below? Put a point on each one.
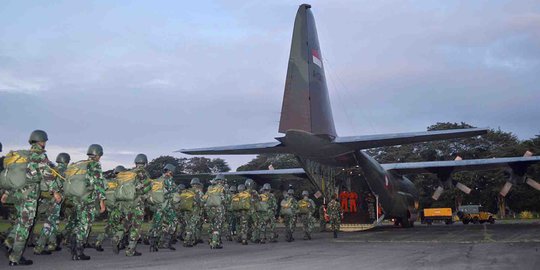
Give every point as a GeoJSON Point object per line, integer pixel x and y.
{"type": "Point", "coordinates": [153, 245]}
{"type": "Point", "coordinates": [229, 238]}
{"type": "Point", "coordinates": [130, 250]}
{"type": "Point", "coordinates": [307, 236]}
{"type": "Point", "coordinates": [335, 234]}
{"type": "Point", "coordinates": [187, 240]}
{"type": "Point", "coordinates": [59, 239]}
{"type": "Point", "coordinates": [115, 241]}
{"type": "Point", "coordinates": [263, 241]}
{"type": "Point", "coordinates": [73, 246]}
{"type": "Point", "coordinates": [79, 254]}
{"type": "Point", "coordinates": [288, 237]}
{"type": "Point", "coordinates": [98, 246]}
{"type": "Point", "coordinates": [168, 242]}
{"type": "Point", "coordinates": [22, 261]}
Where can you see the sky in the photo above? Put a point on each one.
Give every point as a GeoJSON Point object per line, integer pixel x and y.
{"type": "Point", "coordinates": [157, 76]}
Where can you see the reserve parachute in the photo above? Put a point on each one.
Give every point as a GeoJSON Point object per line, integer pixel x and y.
{"type": "Point", "coordinates": [13, 176]}
{"type": "Point", "coordinates": [286, 207]}
{"type": "Point", "coordinates": [110, 189]}
{"type": "Point", "coordinates": [304, 207]}
{"type": "Point", "coordinates": [263, 206]}
{"type": "Point", "coordinates": [76, 184]}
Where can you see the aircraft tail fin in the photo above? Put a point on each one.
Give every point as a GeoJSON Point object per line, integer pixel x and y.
{"type": "Point", "coordinates": [306, 103]}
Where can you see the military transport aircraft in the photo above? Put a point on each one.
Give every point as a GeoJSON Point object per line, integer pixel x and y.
{"type": "Point", "coordinates": [329, 161]}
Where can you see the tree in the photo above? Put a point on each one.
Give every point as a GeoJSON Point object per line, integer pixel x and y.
{"type": "Point", "coordinates": [278, 161]}
{"type": "Point", "coordinates": [198, 165]}
{"type": "Point", "coordinates": [155, 166]}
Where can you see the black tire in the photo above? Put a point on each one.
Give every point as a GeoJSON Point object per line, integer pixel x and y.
{"type": "Point", "coordinates": [491, 220]}
{"type": "Point", "coordinates": [448, 222]}
{"type": "Point", "coordinates": [429, 222]}
{"type": "Point", "coordinates": [475, 220]}
{"type": "Point", "coordinates": [466, 221]}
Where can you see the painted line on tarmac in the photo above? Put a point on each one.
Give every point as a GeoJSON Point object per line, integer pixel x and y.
{"type": "Point", "coordinates": [437, 242]}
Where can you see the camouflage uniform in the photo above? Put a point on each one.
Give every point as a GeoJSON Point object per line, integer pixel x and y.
{"type": "Point", "coordinates": [215, 214]}
{"type": "Point", "coordinates": [290, 220]}
{"type": "Point", "coordinates": [47, 236]}
{"type": "Point", "coordinates": [307, 219]}
{"type": "Point", "coordinates": [254, 218]}
{"type": "Point", "coordinates": [114, 220]}
{"type": "Point", "coordinates": [334, 212]}
{"type": "Point", "coordinates": [26, 199]}
{"type": "Point", "coordinates": [85, 208]}
{"type": "Point", "coordinates": [133, 211]}
{"type": "Point", "coordinates": [230, 228]}
{"type": "Point", "coordinates": [193, 219]}
{"type": "Point", "coordinates": [264, 214]}
{"type": "Point", "coordinates": [163, 222]}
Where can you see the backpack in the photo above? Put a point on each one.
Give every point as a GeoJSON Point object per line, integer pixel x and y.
{"type": "Point", "coordinates": [304, 207]}
{"type": "Point", "coordinates": [110, 189]}
{"type": "Point", "coordinates": [286, 207]}
{"type": "Point", "coordinates": [126, 186]}
{"type": "Point", "coordinates": [241, 201]}
{"type": "Point", "coordinates": [214, 196]}
{"type": "Point", "coordinates": [76, 184]}
{"type": "Point", "coordinates": [157, 196]}
{"type": "Point", "coordinates": [263, 206]}
{"type": "Point", "coordinates": [187, 200]}
{"type": "Point", "coordinates": [13, 176]}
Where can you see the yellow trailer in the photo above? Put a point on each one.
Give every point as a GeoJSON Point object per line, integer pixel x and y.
{"type": "Point", "coordinates": [435, 214]}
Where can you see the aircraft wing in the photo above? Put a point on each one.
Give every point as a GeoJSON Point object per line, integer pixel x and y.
{"type": "Point", "coordinates": [460, 165]}
{"type": "Point", "coordinates": [372, 141]}
{"type": "Point", "coordinates": [244, 149]}
{"type": "Point", "coordinates": [275, 177]}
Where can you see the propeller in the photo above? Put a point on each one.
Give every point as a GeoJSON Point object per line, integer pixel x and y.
{"type": "Point", "coordinates": [519, 174]}
{"type": "Point", "coordinates": [533, 183]}
{"type": "Point", "coordinates": [444, 176]}
{"type": "Point", "coordinates": [437, 193]}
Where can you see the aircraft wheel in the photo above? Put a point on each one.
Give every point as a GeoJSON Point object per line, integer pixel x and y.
{"type": "Point", "coordinates": [465, 221]}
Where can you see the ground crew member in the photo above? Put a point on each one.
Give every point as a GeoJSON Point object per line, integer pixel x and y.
{"type": "Point", "coordinates": [37, 170]}
{"type": "Point", "coordinates": [214, 205]}
{"type": "Point", "coordinates": [306, 207]}
{"type": "Point", "coordinates": [289, 208]}
{"type": "Point", "coordinates": [86, 207]}
{"type": "Point", "coordinates": [47, 241]}
{"type": "Point", "coordinates": [335, 215]}
{"type": "Point", "coordinates": [353, 198]}
{"type": "Point", "coordinates": [344, 198]}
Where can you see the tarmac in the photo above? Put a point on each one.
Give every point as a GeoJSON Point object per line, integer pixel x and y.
{"type": "Point", "coordinates": [512, 245]}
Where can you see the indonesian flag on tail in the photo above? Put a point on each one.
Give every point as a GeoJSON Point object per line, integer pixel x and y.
{"type": "Point", "coordinates": [316, 58]}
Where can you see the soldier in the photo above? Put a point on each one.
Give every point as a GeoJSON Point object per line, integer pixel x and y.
{"type": "Point", "coordinates": [335, 214]}
{"type": "Point", "coordinates": [214, 205]}
{"type": "Point", "coordinates": [47, 241]}
{"type": "Point", "coordinates": [190, 207]}
{"type": "Point", "coordinates": [230, 229]}
{"type": "Point", "coordinates": [133, 210]}
{"type": "Point", "coordinates": [322, 217]}
{"type": "Point", "coordinates": [181, 223]}
{"type": "Point", "coordinates": [168, 214]}
{"type": "Point", "coordinates": [85, 207]}
{"type": "Point", "coordinates": [241, 206]}
{"type": "Point", "coordinates": [306, 207]}
{"type": "Point", "coordinates": [37, 170]}
{"type": "Point", "coordinates": [254, 218]}
{"type": "Point", "coordinates": [114, 220]}
{"type": "Point", "coordinates": [289, 208]}
{"type": "Point", "coordinates": [267, 206]}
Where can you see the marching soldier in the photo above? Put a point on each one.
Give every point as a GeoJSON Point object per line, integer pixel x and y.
{"type": "Point", "coordinates": [289, 208]}
{"type": "Point", "coordinates": [306, 207]}
{"type": "Point", "coordinates": [47, 241]}
{"type": "Point", "coordinates": [190, 207]}
{"type": "Point", "coordinates": [214, 201]}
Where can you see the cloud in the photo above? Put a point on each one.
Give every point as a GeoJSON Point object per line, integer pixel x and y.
{"type": "Point", "coordinates": [13, 84]}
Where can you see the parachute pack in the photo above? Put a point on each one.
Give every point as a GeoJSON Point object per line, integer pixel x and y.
{"type": "Point", "coordinates": [110, 189]}
{"type": "Point", "coordinates": [187, 200]}
{"type": "Point", "coordinates": [76, 184]}
{"type": "Point", "coordinates": [14, 174]}
{"type": "Point", "coordinates": [241, 201]}
{"type": "Point", "coordinates": [126, 186]}
{"type": "Point", "coordinates": [214, 196]}
{"type": "Point", "coordinates": [157, 196]}
{"type": "Point", "coordinates": [263, 206]}
{"type": "Point", "coordinates": [304, 206]}
{"type": "Point", "coordinates": [286, 207]}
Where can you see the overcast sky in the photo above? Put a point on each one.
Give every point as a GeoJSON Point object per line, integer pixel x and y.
{"type": "Point", "coordinates": [158, 76]}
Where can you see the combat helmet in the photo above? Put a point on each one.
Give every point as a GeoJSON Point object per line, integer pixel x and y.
{"type": "Point", "coordinates": [119, 169]}
{"type": "Point", "coordinates": [220, 178]}
{"type": "Point", "coordinates": [95, 150]}
{"type": "Point", "coordinates": [232, 189]}
{"type": "Point", "coordinates": [241, 187]}
{"type": "Point", "coordinates": [195, 182]}
{"type": "Point", "coordinates": [63, 158]}
{"type": "Point", "coordinates": [38, 136]}
{"type": "Point", "coordinates": [181, 187]}
{"type": "Point", "coordinates": [141, 159]}
{"type": "Point", "coordinates": [266, 186]}
{"type": "Point", "coordinates": [290, 191]}
{"type": "Point", "coordinates": [305, 193]}
{"type": "Point", "coordinates": [169, 168]}
{"type": "Point", "coordinates": [250, 183]}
